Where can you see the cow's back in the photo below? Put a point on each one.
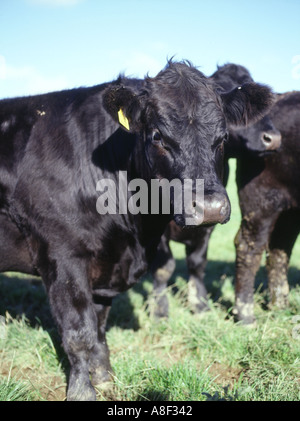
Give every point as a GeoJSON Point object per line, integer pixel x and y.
{"type": "Point", "coordinates": [16, 122]}
{"type": "Point", "coordinates": [20, 117]}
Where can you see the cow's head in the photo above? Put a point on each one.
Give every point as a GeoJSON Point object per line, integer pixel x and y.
{"type": "Point", "coordinates": [260, 136]}
{"type": "Point", "coordinates": [182, 123]}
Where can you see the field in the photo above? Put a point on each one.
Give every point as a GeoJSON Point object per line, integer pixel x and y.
{"type": "Point", "coordinates": [185, 358]}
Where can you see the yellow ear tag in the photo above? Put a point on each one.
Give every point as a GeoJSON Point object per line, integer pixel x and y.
{"type": "Point", "coordinates": [123, 119]}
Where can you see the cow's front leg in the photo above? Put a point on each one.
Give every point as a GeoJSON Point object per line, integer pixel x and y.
{"type": "Point", "coordinates": [196, 257]}
{"type": "Point", "coordinates": [277, 266]}
{"type": "Point", "coordinates": [281, 243]}
{"type": "Point", "coordinates": [72, 307]}
{"type": "Point", "coordinates": [99, 364]}
{"type": "Point", "coordinates": [250, 242]}
{"type": "Point", "coordinates": [162, 270]}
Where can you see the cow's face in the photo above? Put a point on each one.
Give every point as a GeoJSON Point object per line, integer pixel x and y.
{"type": "Point", "coordinates": [260, 137]}
{"type": "Point", "coordinates": [182, 125]}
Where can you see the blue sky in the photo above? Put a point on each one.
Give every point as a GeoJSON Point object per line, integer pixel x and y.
{"type": "Point", "coordinates": [50, 45]}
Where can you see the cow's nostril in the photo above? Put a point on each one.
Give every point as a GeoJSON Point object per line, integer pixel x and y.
{"type": "Point", "coordinates": [194, 203]}
{"type": "Point", "coordinates": [267, 138]}
{"type": "Point", "coordinates": [271, 140]}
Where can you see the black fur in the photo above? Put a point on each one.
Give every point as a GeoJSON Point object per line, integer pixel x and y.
{"type": "Point", "coordinates": [53, 150]}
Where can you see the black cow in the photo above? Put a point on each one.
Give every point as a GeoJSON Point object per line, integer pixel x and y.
{"type": "Point", "coordinates": [269, 195]}
{"type": "Point", "coordinates": [256, 139]}
{"type": "Point", "coordinates": [55, 148]}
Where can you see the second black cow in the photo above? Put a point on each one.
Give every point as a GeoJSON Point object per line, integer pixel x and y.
{"type": "Point", "coordinates": [269, 195]}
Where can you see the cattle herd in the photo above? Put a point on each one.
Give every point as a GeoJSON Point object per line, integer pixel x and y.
{"type": "Point", "coordinates": [54, 149]}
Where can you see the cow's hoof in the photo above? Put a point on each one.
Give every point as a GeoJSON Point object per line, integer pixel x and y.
{"type": "Point", "coordinates": [161, 311]}
{"type": "Point", "coordinates": [86, 393]}
{"type": "Point", "coordinates": [101, 379]}
{"type": "Point", "coordinates": [104, 387]}
{"type": "Point", "coordinates": [196, 296]}
{"type": "Point", "coordinates": [244, 312]}
{"type": "Point", "coordinates": [249, 322]}
{"type": "Point", "coordinates": [201, 307]}
{"type": "Point", "coordinates": [159, 307]}
{"type": "Point", "coordinates": [245, 320]}
{"type": "Point", "coordinates": [278, 303]}
{"type": "Point", "coordinates": [251, 325]}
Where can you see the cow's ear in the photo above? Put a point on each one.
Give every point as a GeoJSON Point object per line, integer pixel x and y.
{"type": "Point", "coordinates": [247, 103]}
{"type": "Point", "coordinates": [124, 105]}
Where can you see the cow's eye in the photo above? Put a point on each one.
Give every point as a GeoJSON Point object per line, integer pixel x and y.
{"type": "Point", "coordinates": [156, 136]}
{"type": "Point", "coordinates": [226, 137]}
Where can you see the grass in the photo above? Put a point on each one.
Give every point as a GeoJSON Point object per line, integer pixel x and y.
{"type": "Point", "coordinates": [12, 390]}
{"type": "Point", "coordinates": [185, 358]}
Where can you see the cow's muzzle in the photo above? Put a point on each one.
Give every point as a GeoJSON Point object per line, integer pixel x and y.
{"type": "Point", "coordinates": [271, 140]}
{"type": "Point", "coordinates": [214, 210]}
